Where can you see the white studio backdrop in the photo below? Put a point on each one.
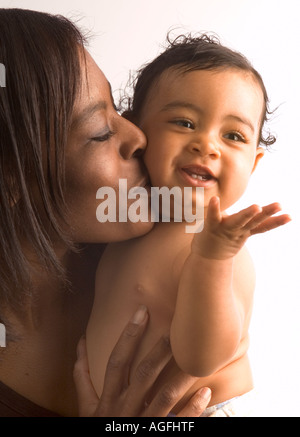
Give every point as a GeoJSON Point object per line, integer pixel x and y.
{"type": "Point", "coordinates": [128, 33]}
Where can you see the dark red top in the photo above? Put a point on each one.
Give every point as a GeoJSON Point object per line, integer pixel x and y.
{"type": "Point", "coordinates": [12, 404]}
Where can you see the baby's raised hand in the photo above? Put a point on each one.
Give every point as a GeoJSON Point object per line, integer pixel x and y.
{"type": "Point", "coordinates": [224, 235]}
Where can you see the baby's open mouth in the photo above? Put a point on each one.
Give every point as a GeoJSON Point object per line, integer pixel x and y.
{"type": "Point", "coordinates": [199, 176]}
{"type": "Point", "coordinates": [200, 173]}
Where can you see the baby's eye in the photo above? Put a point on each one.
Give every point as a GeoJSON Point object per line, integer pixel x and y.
{"type": "Point", "coordinates": [235, 136]}
{"type": "Point", "coordinates": [184, 123]}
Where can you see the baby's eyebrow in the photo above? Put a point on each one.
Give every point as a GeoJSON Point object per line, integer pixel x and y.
{"type": "Point", "coordinates": [181, 104]}
{"type": "Point", "coordinates": [241, 119]}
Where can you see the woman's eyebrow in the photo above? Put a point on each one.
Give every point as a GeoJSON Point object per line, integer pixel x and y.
{"type": "Point", "coordinates": [88, 111]}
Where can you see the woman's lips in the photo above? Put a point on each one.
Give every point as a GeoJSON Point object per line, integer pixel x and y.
{"type": "Point", "coordinates": [198, 176]}
{"type": "Point", "coordinates": [145, 183]}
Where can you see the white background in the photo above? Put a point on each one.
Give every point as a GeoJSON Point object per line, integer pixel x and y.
{"type": "Point", "coordinates": [128, 33]}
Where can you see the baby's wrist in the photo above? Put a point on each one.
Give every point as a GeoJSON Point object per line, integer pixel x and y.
{"type": "Point", "coordinates": [211, 253]}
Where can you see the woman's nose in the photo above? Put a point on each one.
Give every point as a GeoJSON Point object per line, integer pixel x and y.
{"type": "Point", "coordinates": [133, 141]}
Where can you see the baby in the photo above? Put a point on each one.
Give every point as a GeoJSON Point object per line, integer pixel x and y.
{"type": "Point", "coordinates": [202, 108]}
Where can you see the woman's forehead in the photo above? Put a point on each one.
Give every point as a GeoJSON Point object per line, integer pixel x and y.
{"type": "Point", "coordinates": [95, 92]}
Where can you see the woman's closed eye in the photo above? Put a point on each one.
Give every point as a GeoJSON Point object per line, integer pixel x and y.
{"type": "Point", "coordinates": [102, 137]}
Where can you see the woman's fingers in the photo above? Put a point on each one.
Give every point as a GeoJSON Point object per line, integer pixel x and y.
{"type": "Point", "coordinates": [197, 404]}
{"type": "Point", "coordinates": [170, 394]}
{"type": "Point", "coordinates": [146, 374]}
{"type": "Point", "coordinates": [119, 398]}
{"type": "Point", "coordinates": [117, 372]}
{"type": "Point", "coordinates": [86, 395]}
{"type": "Point", "coordinates": [118, 367]}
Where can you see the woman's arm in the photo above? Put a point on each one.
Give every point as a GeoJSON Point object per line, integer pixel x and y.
{"type": "Point", "coordinates": [120, 399]}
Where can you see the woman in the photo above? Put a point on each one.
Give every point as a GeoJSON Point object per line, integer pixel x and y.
{"type": "Point", "coordinates": [61, 139]}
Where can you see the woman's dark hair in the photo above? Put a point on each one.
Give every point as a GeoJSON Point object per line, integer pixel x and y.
{"type": "Point", "coordinates": [187, 53]}
{"type": "Point", "coordinates": [41, 55]}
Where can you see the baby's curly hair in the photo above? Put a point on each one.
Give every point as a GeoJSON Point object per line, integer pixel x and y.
{"type": "Point", "coordinates": [189, 53]}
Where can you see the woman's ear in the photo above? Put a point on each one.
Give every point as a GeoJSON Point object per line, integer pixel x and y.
{"type": "Point", "coordinates": [259, 154]}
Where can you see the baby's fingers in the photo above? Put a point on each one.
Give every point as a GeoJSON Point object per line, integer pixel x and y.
{"type": "Point", "coordinates": [242, 218]}
{"type": "Point", "coordinates": [214, 215]}
{"type": "Point", "coordinates": [271, 223]}
{"type": "Point", "coordinates": [261, 219]}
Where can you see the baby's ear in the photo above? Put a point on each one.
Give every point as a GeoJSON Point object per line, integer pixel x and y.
{"type": "Point", "coordinates": [259, 154]}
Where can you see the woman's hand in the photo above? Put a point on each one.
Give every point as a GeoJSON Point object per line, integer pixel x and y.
{"type": "Point", "coordinates": [119, 399]}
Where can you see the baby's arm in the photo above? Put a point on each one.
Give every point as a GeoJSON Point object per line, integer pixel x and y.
{"type": "Point", "coordinates": [215, 291]}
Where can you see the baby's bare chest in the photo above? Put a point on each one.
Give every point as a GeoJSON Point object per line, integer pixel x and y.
{"type": "Point", "coordinates": [147, 269]}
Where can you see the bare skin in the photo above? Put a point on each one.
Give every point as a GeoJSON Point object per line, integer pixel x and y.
{"type": "Point", "coordinates": [122, 399]}
{"type": "Point", "coordinates": [202, 129]}
{"type": "Point", "coordinates": [39, 364]}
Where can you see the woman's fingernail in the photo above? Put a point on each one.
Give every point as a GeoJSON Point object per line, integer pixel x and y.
{"type": "Point", "coordinates": [205, 393]}
{"type": "Point", "coordinates": [140, 315]}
